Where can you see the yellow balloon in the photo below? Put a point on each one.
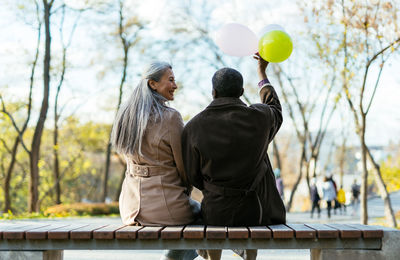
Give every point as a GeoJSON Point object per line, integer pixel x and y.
{"type": "Point", "coordinates": [275, 46]}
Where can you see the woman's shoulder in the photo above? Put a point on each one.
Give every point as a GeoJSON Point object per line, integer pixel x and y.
{"type": "Point", "coordinates": [172, 114]}
{"type": "Point", "coordinates": [172, 120]}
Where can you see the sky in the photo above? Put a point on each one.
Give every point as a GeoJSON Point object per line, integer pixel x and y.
{"type": "Point", "coordinates": [83, 81]}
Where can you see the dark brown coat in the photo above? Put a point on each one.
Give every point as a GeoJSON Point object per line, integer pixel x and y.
{"type": "Point", "coordinates": [224, 150]}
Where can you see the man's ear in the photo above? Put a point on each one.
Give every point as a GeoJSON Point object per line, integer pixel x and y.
{"type": "Point", "coordinates": [214, 93]}
{"type": "Point", "coordinates": [241, 92]}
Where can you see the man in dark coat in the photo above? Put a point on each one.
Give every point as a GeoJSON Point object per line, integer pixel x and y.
{"type": "Point", "coordinates": [225, 153]}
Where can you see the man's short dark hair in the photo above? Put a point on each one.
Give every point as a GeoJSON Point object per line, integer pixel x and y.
{"type": "Point", "coordinates": [228, 82]}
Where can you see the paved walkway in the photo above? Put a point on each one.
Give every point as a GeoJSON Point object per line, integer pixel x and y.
{"type": "Point", "coordinates": [375, 210]}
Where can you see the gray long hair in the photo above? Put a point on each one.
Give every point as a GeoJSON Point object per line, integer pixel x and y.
{"type": "Point", "coordinates": [144, 104]}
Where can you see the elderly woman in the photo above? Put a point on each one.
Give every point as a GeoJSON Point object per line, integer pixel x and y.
{"type": "Point", "coordinates": [148, 134]}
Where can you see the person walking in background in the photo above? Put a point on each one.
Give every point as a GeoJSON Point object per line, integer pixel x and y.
{"type": "Point", "coordinates": [335, 201]}
{"type": "Point", "coordinates": [329, 194]}
{"type": "Point", "coordinates": [315, 198]}
{"type": "Point", "coordinates": [279, 182]}
{"type": "Point", "coordinates": [355, 193]}
{"type": "Point", "coordinates": [341, 198]}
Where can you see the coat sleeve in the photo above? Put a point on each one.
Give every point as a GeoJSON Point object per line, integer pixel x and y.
{"type": "Point", "coordinates": [191, 159]}
{"type": "Point", "coordinates": [175, 134]}
{"type": "Point", "coordinates": [274, 109]}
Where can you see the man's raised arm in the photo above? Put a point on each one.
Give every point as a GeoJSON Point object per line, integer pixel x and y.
{"type": "Point", "coordinates": [268, 95]}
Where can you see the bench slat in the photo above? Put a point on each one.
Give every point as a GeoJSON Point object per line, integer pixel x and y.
{"type": "Point", "coordinates": [214, 232]}
{"type": "Point", "coordinates": [346, 231]}
{"type": "Point", "coordinates": [172, 232]}
{"type": "Point", "coordinates": [302, 231]}
{"type": "Point", "coordinates": [368, 231]}
{"type": "Point", "coordinates": [281, 231]}
{"type": "Point", "coordinates": [324, 231]}
{"type": "Point", "coordinates": [149, 232]}
{"type": "Point", "coordinates": [107, 232]}
{"type": "Point", "coordinates": [18, 232]}
{"type": "Point", "coordinates": [64, 232]}
{"type": "Point", "coordinates": [194, 232]}
{"type": "Point", "coordinates": [127, 232]}
{"type": "Point", "coordinates": [260, 232]}
{"type": "Point", "coordinates": [4, 227]}
{"type": "Point", "coordinates": [238, 233]}
{"type": "Point", "coordinates": [85, 232]}
{"type": "Point", "coordinates": [41, 233]}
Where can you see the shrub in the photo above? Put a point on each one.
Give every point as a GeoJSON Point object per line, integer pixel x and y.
{"type": "Point", "coordinates": [82, 209]}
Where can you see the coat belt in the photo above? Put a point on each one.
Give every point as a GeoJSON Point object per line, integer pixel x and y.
{"type": "Point", "coordinates": [146, 170]}
{"type": "Point", "coordinates": [232, 192]}
{"type": "Point", "coordinates": [225, 191]}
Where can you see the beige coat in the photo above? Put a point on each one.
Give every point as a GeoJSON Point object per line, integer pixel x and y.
{"type": "Point", "coordinates": [153, 192]}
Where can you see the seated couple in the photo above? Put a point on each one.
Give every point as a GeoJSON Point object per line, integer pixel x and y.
{"type": "Point", "coordinates": [222, 151]}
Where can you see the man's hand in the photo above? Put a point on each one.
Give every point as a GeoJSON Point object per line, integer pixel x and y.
{"type": "Point", "coordinates": [262, 66]}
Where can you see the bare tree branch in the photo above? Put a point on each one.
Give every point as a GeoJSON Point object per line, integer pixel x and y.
{"type": "Point", "coordinates": [377, 83]}
{"type": "Point", "coordinates": [19, 132]}
{"type": "Point", "coordinates": [376, 55]}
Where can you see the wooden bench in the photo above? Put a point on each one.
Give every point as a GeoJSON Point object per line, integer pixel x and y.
{"type": "Point", "coordinates": [326, 241]}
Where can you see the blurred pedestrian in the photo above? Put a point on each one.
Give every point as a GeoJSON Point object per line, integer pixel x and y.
{"type": "Point", "coordinates": [329, 194]}
{"type": "Point", "coordinates": [315, 199]}
{"type": "Point", "coordinates": [335, 201]}
{"type": "Point", "coordinates": [355, 193]}
{"type": "Point", "coordinates": [279, 182]}
{"type": "Point", "coordinates": [341, 198]}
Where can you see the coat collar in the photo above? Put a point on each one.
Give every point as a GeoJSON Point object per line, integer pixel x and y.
{"type": "Point", "coordinates": [223, 101]}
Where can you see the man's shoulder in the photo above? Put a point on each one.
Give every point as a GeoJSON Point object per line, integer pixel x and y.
{"type": "Point", "coordinates": [196, 119]}
{"type": "Point", "coordinates": [259, 106]}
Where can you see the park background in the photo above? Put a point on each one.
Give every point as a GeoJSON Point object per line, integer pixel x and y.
{"type": "Point", "coordinates": [66, 66]}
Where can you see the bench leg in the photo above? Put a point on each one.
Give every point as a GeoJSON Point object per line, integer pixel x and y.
{"type": "Point", "coordinates": [32, 255]}
{"type": "Point", "coordinates": [390, 250]}
{"type": "Point", "coordinates": [335, 254]}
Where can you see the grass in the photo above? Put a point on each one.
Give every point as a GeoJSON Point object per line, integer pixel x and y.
{"type": "Point", "coordinates": [383, 222]}
{"type": "Point", "coordinates": [69, 210]}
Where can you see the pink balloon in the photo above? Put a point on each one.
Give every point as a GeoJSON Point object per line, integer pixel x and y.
{"type": "Point", "coordinates": [237, 40]}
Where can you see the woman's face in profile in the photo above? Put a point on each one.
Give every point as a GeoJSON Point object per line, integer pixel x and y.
{"type": "Point", "coordinates": [166, 86]}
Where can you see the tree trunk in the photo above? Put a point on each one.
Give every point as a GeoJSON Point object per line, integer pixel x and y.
{"type": "Point", "coordinates": [56, 160]}
{"type": "Point", "coordinates": [57, 115]}
{"type": "Point", "coordinates": [121, 85]}
{"type": "Point", "coordinates": [342, 161]}
{"type": "Point", "coordinates": [34, 177]}
{"type": "Point", "coordinates": [7, 180]}
{"type": "Point", "coordinates": [389, 214]}
{"type": "Point", "coordinates": [302, 159]}
{"type": "Point", "coordinates": [107, 170]}
{"type": "Point", "coordinates": [37, 136]}
{"type": "Point", "coordinates": [120, 185]}
{"type": "Point", "coordinates": [277, 156]}
{"type": "Point", "coordinates": [310, 169]}
{"type": "Point", "coordinates": [316, 158]}
{"type": "Point", "coordinates": [364, 176]}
